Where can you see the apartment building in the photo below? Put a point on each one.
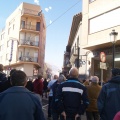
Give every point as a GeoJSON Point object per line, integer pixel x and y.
{"type": "Point", "coordinates": [22, 42]}
{"type": "Point", "coordinates": [99, 18]}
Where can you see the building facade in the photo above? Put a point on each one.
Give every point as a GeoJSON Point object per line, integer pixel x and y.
{"type": "Point", "coordinates": [75, 56]}
{"type": "Point", "coordinates": [99, 18]}
{"type": "Point", "coordinates": [22, 42]}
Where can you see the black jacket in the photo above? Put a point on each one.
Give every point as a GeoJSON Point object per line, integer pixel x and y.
{"type": "Point", "coordinates": [2, 77]}
{"type": "Point", "coordinates": [71, 97]}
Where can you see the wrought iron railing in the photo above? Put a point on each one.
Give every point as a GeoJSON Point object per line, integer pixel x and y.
{"type": "Point", "coordinates": [28, 59]}
{"type": "Point", "coordinates": [29, 42]}
{"type": "Point", "coordinates": [29, 27]}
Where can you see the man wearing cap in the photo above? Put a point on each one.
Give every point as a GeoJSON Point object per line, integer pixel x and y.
{"type": "Point", "coordinates": [71, 97]}
{"type": "Point", "coordinates": [93, 91]}
{"type": "Point", "coordinates": [109, 97]}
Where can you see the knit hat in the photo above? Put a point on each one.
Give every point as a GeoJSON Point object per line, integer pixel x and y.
{"type": "Point", "coordinates": [115, 71]}
{"type": "Point", "coordinates": [95, 79]}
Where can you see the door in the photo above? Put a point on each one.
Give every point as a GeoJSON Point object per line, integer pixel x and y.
{"type": "Point", "coordinates": [23, 24]}
{"type": "Point", "coordinates": [36, 57]}
{"type": "Point", "coordinates": [38, 26]}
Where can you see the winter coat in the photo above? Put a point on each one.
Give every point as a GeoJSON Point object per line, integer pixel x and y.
{"type": "Point", "coordinates": [69, 96]}
{"type": "Point", "coordinates": [109, 99]}
{"type": "Point", "coordinates": [93, 91]}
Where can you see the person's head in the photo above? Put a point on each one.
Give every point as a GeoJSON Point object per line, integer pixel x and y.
{"type": "Point", "coordinates": [73, 73]}
{"type": "Point", "coordinates": [61, 78]}
{"type": "Point", "coordinates": [1, 67]}
{"type": "Point", "coordinates": [55, 76]}
{"type": "Point", "coordinates": [115, 72]}
{"type": "Point", "coordinates": [12, 71]}
{"type": "Point", "coordinates": [94, 79]}
{"type": "Point", "coordinates": [39, 76]}
{"type": "Point", "coordinates": [18, 78]}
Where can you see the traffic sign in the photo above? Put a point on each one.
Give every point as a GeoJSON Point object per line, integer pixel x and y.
{"type": "Point", "coordinates": [102, 57]}
{"type": "Point", "coordinates": [103, 66]}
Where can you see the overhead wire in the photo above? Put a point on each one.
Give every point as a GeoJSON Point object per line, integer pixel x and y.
{"type": "Point", "coordinates": [63, 13]}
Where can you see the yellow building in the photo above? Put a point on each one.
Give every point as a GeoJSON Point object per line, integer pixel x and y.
{"type": "Point", "coordinates": [22, 42]}
{"type": "Point", "coordinates": [99, 18]}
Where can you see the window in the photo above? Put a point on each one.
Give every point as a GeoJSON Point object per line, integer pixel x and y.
{"type": "Point", "coordinates": [13, 26]}
{"type": "Point", "coordinates": [2, 36]}
{"type": "Point", "coordinates": [1, 47]}
{"type": "Point", "coordinates": [91, 1]}
{"type": "Point", "coordinates": [9, 30]}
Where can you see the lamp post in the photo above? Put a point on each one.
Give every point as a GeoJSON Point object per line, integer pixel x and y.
{"type": "Point", "coordinates": [78, 52]}
{"type": "Point", "coordinates": [113, 39]}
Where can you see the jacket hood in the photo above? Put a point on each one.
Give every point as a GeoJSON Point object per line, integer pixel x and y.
{"type": "Point", "coordinates": [115, 79]}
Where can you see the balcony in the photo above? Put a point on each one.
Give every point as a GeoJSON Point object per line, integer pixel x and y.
{"type": "Point", "coordinates": [73, 54]}
{"type": "Point", "coordinates": [30, 28]}
{"type": "Point", "coordinates": [29, 42]}
{"type": "Point", "coordinates": [30, 13]}
{"type": "Point", "coordinates": [28, 59]}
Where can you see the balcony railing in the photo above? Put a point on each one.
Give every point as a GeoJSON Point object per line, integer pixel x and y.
{"type": "Point", "coordinates": [29, 27]}
{"type": "Point", "coordinates": [74, 51]}
{"type": "Point", "coordinates": [29, 42]}
{"type": "Point", "coordinates": [28, 59]}
{"type": "Point", "coordinates": [29, 11]}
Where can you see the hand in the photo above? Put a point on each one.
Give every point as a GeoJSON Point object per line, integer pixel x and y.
{"type": "Point", "coordinates": [76, 116]}
{"type": "Point", "coordinates": [64, 115]}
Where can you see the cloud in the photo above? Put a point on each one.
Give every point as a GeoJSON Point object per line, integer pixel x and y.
{"type": "Point", "coordinates": [36, 1]}
{"type": "Point", "coordinates": [50, 22]}
{"type": "Point", "coordinates": [50, 7]}
{"type": "Point", "coordinates": [47, 9]}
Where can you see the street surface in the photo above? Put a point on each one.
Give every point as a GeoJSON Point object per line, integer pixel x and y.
{"type": "Point", "coordinates": [45, 108]}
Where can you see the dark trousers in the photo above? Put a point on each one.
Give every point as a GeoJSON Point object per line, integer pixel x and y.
{"type": "Point", "coordinates": [55, 115]}
{"type": "Point", "coordinates": [92, 115]}
{"type": "Point", "coordinates": [69, 118]}
{"type": "Point", "coordinates": [49, 106]}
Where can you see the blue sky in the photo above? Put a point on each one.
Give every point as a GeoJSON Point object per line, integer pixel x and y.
{"type": "Point", "coordinates": [58, 15]}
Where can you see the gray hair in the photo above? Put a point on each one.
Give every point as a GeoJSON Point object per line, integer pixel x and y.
{"type": "Point", "coordinates": [61, 78]}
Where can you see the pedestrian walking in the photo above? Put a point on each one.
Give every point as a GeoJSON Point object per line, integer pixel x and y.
{"type": "Point", "coordinates": [55, 115]}
{"type": "Point", "coordinates": [18, 103]}
{"type": "Point", "coordinates": [71, 97]}
{"type": "Point", "coordinates": [93, 91]}
{"type": "Point", "coordinates": [45, 89]}
{"type": "Point", "coordinates": [50, 96]}
{"type": "Point", "coordinates": [4, 85]}
{"type": "Point", "coordinates": [38, 85]}
{"type": "Point", "coordinates": [108, 100]}
{"type": "Point", "coordinates": [2, 74]}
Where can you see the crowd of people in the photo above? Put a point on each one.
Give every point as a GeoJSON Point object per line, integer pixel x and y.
{"type": "Point", "coordinates": [68, 97]}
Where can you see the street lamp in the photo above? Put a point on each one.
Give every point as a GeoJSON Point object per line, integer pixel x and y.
{"type": "Point", "coordinates": [113, 39]}
{"type": "Point", "coordinates": [78, 52]}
